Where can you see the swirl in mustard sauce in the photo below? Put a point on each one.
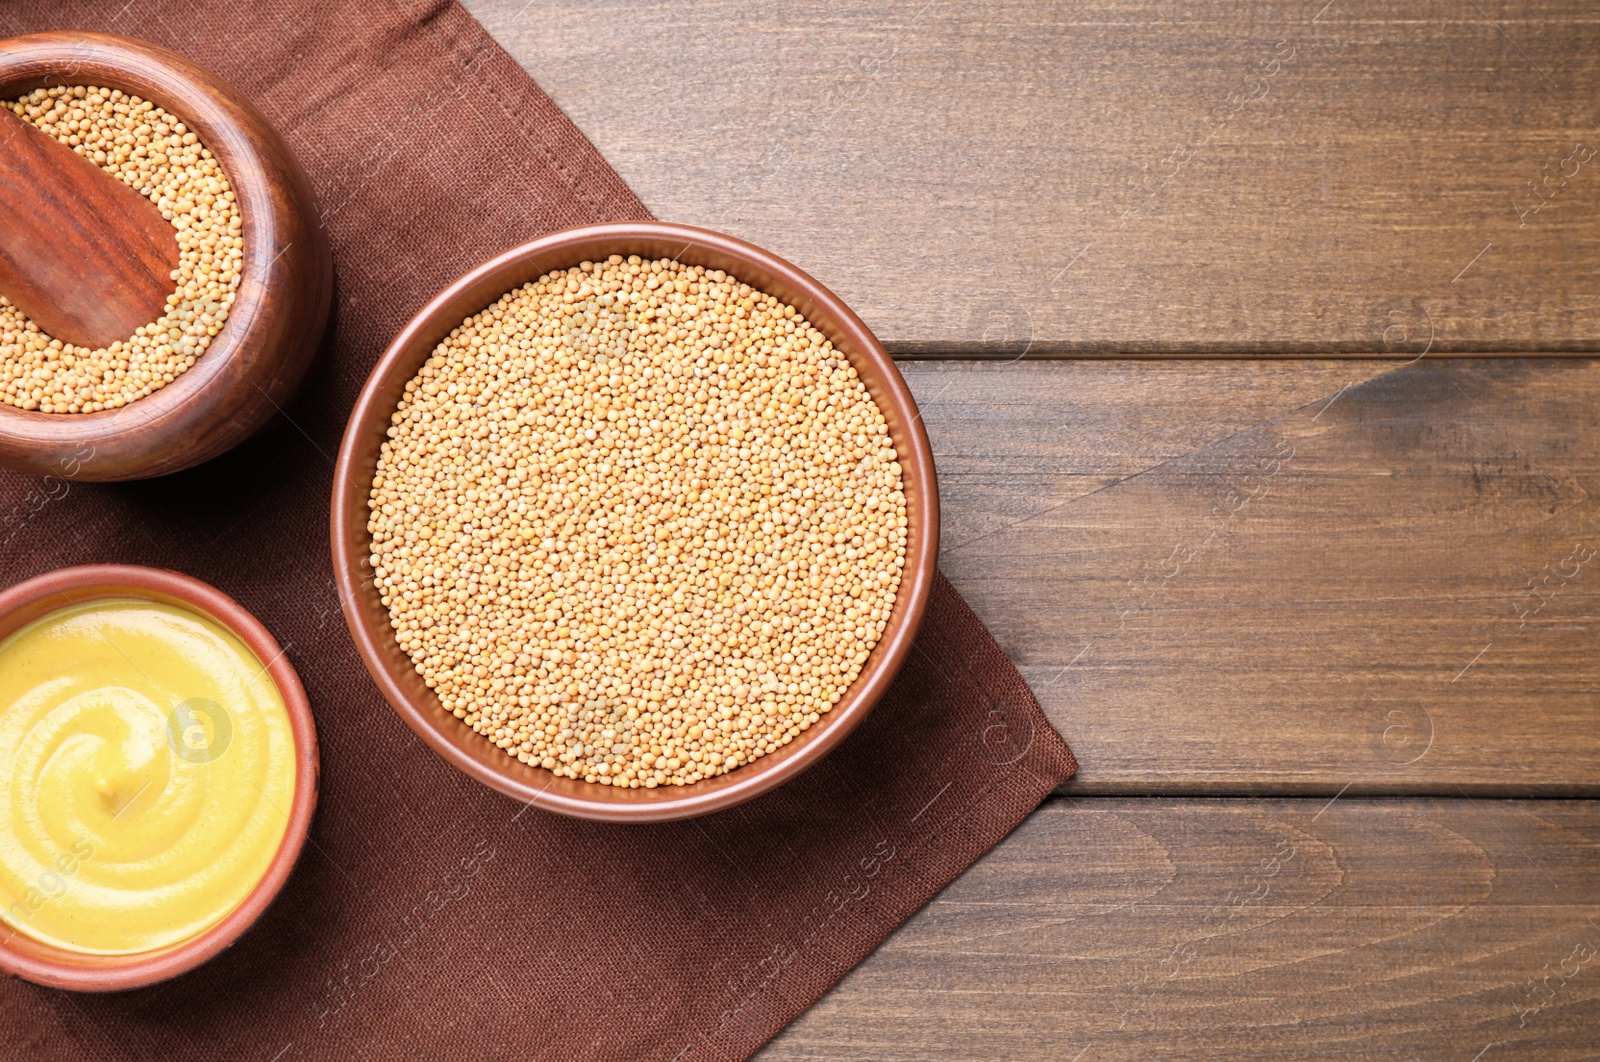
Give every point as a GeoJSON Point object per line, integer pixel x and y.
{"type": "Point", "coordinates": [149, 766]}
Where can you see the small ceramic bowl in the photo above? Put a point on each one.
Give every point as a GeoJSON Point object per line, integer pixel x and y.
{"type": "Point", "coordinates": [55, 967]}
{"type": "Point", "coordinates": [276, 323]}
{"type": "Point", "coordinates": [368, 619]}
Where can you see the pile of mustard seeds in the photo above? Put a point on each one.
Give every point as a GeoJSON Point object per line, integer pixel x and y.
{"type": "Point", "coordinates": [638, 523]}
{"type": "Point", "coordinates": [151, 151]}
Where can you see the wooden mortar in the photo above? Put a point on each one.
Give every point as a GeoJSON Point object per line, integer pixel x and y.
{"type": "Point", "coordinates": [254, 364]}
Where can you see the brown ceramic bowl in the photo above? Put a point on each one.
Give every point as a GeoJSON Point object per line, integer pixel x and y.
{"type": "Point", "coordinates": [369, 619]}
{"type": "Point", "coordinates": [256, 361]}
{"type": "Point", "coordinates": [55, 967]}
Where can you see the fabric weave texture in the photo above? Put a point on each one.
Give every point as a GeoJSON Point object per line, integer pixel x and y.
{"type": "Point", "coordinates": [430, 917]}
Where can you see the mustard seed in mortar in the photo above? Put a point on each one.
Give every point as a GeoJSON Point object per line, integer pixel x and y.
{"type": "Point", "coordinates": [151, 151]}
{"type": "Point", "coordinates": [638, 523]}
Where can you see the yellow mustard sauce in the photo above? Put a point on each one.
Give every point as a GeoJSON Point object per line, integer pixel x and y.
{"type": "Point", "coordinates": [148, 768]}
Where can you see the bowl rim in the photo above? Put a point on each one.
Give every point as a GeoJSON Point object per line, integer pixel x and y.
{"type": "Point", "coordinates": [46, 964]}
{"type": "Point", "coordinates": [270, 189]}
{"type": "Point", "coordinates": [368, 620]}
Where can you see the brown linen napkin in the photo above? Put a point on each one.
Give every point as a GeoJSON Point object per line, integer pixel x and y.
{"type": "Point", "coordinates": [429, 917]}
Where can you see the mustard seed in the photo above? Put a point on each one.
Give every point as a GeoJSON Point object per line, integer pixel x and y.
{"type": "Point", "coordinates": [638, 523]}
{"type": "Point", "coordinates": [151, 151]}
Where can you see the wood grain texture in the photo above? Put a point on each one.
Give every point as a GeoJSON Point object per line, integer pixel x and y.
{"type": "Point", "coordinates": [1194, 929]}
{"type": "Point", "coordinates": [255, 363]}
{"type": "Point", "coordinates": [87, 258]}
{"type": "Point", "coordinates": [1323, 576]}
{"type": "Point", "coordinates": [1124, 176]}
{"type": "Point", "coordinates": [1298, 575]}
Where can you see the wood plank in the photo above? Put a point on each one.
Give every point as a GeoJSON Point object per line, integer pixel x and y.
{"type": "Point", "coordinates": [1244, 929]}
{"type": "Point", "coordinates": [1295, 584]}
{"type": "Point", "coordinates": [1121, 176]}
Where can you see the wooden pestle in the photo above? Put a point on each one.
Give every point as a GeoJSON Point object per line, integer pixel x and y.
{"type": "Point", "coordinates": [86, 257]}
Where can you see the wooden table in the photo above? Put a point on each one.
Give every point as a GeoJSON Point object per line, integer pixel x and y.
{"type": "Point", "coordinates": [1253, 341]}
